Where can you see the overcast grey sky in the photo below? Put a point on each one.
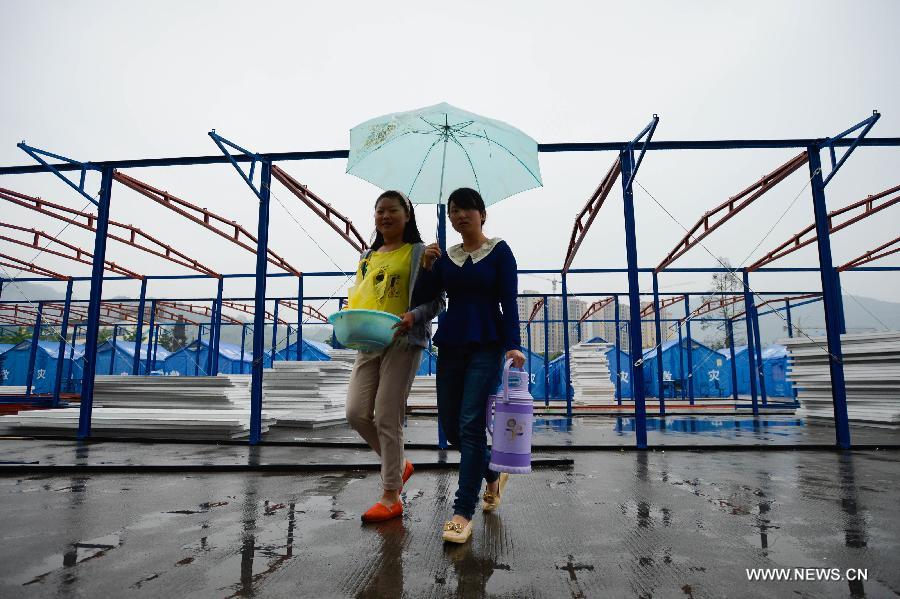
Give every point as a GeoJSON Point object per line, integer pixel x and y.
{"type": "Point", "coordinates": [105, 80]}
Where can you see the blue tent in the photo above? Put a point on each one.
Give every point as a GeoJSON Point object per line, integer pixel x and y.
{"type": "Point", "coordinates": [712, 377]}
{"type": "Point", "coordinates": [554, 382]}
{"type": "Point", "coordinates": [15, 366]}
{"type": "Point", "coordinates": [121, 357]}
{"type": "Point", "coordinates": [534, 364]}
{"type": "Point", "coordinates": [615, 357]}
{"type": "Point", "coordinates": [191, 360]}
{"type": "Point", "coordinates": [775, 363]}
{"type": "Point", "coordinates": [312, 350]}
{"type": "Point", "coordinates": [595, 340]}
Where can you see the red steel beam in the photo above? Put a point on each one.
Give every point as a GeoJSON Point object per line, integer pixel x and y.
{"type": "Point", "coordinates": [247, 309]}
{"type": "Point", "coordinates": [27, 314]}
{"type": "Point", "coordinates": [200, 310]}
{"type": "Point", "coordinates": [663, 304]}
{"type": "Point", "coordinates": [220, 225]}
{"type": "Point", "coordinates": [308, 310]}
{"type": "Point", "coordinates": [787, 298]}
{"type": "Point", "coordinates": [728, 209]}
{"type": "Point", "coordinates": [713, 304]}
{"type": "Point", "coordinates": [596, 307]}
{"type": "Point", "coordinates": [866, 208]}
{"type": "Point", "coordinates": [590, 210]}
{"type": "Point", "coordinates": [29, 267]}
{"type": "Point", "coordinates": [134, 236]}
{"type": "Point", "coordinates": [80, 255]}
{"type": "Point", "coordinates": [324, 210]}
{"type": "Point", "coordinates": [130, 311]}
{"type": "Point", "coordinates": [880, 252]}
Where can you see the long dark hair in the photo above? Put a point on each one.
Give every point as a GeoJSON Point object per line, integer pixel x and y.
{"type": "Point", "coordinates": [410, 231]}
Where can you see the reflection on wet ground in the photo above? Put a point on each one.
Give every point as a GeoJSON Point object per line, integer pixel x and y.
{"type": "Point", "coordinates": [557, 431]}
{"type": "Point", "coordinates": [642, 524]}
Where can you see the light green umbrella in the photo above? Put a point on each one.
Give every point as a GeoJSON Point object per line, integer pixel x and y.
{"type": "Point", "coordinates": [429, 152]}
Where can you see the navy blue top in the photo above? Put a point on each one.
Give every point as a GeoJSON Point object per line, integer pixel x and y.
{"type": "Point", "coordinates": [476, 294]}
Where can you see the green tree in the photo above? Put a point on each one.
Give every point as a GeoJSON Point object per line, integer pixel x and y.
{"type": "Point", "coordinates": [723, 286]}
{"type": "Point", "coordinates": [15, 336]}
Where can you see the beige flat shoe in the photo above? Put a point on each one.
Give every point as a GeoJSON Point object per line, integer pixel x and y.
{"type": "Point", "coordinates": [454, 532]}
{"type": "Point", "coordinates": [490, 501]}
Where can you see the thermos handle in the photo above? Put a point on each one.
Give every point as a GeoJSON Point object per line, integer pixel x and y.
{"type": "Point", "coordinates": [489, 410]}
{"type": "Point", "coordinates": [506, 366]}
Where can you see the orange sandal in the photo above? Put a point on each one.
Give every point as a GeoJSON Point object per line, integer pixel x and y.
{"type": "Point", "coordinates": [380, 512]}
{"type": "Point", "coordinates": [407, 471]}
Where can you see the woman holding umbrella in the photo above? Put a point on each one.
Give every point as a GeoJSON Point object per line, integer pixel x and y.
{"type": "Point", "coordinates": [477, 332]}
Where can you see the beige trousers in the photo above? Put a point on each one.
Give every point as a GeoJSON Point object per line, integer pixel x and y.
{"type": "Point", "coordinates": [376, 403]}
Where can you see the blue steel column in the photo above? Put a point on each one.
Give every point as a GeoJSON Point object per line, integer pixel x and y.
{"type": "Point", "coordinates": [217, 327]}
{"type": "Point", "coordinates": [530, 373]}
{"type": "Point", "coordinates": [748, 305]}
{"type": "Point", "coordinates": [729, 331]}
{"type": "Point", "coordinates": [565, 312]}
{"type": "Point", "coordinates": [155, 343]}
{"type": "Point", "coordinates": [93, 324]}
{"type": "Point", "coordinates": [787, 310]}
{"type": "Point", "coordinates": [690, 349]}
{"type": "Point", "coordinates": [243, 343]}
{"type": "Point", "coordinates": [209, 344]}
{"type": "Point", "coordinates": [200, 351]}
{"type": "Point", "coordinates": [618, 354]}
{"type": "Point", "coordinates": [139, 330]}
{"type": "Point", "coordinates": [635, 344]}
{"type": "Point", "coordinates": [832, 300]}
{"type": "Point", "coordinates": [259, 314]}
{"type": "Point", "coordinates": [760, 372]}
{"type": "Point", "coordinates": [442, 227]}
{"type": "Point", "coordinates": [71, 357]}
{"type": "Point", "coordinates": [114, 353]}
{"type": "Point", "coordinates": [840, 295]}
{"type": "Point", "coordinates": [659, 342]}
{"type": "Point", "coordinates": [32, 355]}
{"type": "Point", "coordinates": [681, 363]}
{"type": "Point", "coordinates": [61, 352]}
{"type": "Point", "coordinates": [299, 318]}
{"type": "Point", "coordinates": [274, 335]}
{"type": "Point", "coordinates": [150, 329]}
{"type": "Point", "coordinates": [546, 354]}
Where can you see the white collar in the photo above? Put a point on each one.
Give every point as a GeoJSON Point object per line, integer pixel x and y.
{"type": "Point", "coordinates": [459, 256]}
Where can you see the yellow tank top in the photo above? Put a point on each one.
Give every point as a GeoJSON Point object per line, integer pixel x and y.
{"type": "Point", "coordinates": [382, 282]}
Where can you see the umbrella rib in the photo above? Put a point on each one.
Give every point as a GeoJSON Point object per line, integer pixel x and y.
{"type": "Point", "coordinates": [421, 166]}
{"type": "Point", "coordinates": [469, 159]}
{"type": "Point", "coordinates": [508, 151]}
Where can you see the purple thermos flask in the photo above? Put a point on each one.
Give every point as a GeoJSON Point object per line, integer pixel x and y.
{"type": "Point", "coordinates": [509, 415]}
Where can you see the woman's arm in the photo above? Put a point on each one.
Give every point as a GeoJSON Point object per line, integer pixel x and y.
{"type": "Point", "coordinates": [429, 286]}
{"type": "Point", "coordinates": [509, 292]}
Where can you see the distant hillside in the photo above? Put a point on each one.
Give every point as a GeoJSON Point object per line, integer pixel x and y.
{"type": "Point", "coordinates": [32, 291]}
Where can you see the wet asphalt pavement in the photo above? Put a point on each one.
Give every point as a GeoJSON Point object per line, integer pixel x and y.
{"type": "Point", "coordinates": [615, 524]}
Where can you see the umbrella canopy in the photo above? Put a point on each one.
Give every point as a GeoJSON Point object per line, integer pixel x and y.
{"type": "Point", "coordinates": [429, 152]}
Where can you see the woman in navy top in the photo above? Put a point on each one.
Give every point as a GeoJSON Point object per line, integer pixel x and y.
{"type": "Point", "coordinates": [477, 332]}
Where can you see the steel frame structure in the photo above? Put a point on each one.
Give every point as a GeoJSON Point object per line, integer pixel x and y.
{"type": "Point", "coordinates": [630, 156]}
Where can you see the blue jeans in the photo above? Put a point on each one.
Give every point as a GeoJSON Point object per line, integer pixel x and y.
{"type": "Point", "coordinates": [465, 378]}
